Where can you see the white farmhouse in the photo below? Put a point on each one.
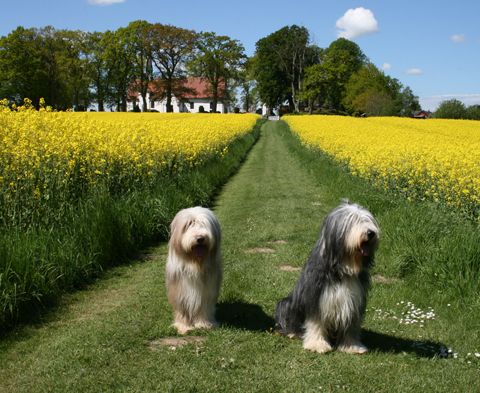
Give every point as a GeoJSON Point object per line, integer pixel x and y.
{"type": "Point", "coordinates": [195, 97]}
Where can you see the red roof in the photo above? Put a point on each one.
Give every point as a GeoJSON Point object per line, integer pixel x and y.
{"type": "Point", "coordinates": [200, 88]}
{"type": "Point", "coordinates": [184, 89]}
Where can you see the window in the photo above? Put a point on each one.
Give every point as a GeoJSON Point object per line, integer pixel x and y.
{"type": "Point", "coordinates": [192, 105]}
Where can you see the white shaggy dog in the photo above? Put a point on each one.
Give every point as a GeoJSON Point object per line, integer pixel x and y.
{"type": "Point", "coordinates": [194, 268]}
{"type": "Point", "coordinates": [328, 302]}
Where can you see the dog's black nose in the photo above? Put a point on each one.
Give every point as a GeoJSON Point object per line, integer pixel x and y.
{"type": "Point", "coordinates": [370, 234]}
{"type": "Point", "coordinates": [200, 239]}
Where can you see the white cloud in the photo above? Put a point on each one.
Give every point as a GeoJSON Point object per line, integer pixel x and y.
{"type": "Point", "coordinates": [431, 103]}
{"type": "Point", "coordinates": [458, 38]}
{"type": "Point", "coordinates": [386, 66]}
{"type": "Point", "coordinates": [356, 22]}
{"type": "Point", "coordinates": [105, 2]}
{"type": "Point", "coordinates": [414, 71]}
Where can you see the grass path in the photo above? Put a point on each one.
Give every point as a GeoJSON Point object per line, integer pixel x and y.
{"type": "Point", "coordinates": [111, 336]}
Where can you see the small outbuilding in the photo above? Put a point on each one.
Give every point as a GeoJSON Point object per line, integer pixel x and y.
{"type": "Point", "coordinates": [421, 114]}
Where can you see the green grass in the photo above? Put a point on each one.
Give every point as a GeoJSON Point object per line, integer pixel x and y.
{"type": "Point", "coordinates": [106, 337]}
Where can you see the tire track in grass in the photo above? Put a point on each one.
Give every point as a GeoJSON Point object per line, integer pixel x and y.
{"type": "Point", "coordinates": [264, 210]}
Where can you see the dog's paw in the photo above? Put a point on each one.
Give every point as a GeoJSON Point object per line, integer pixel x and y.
{"type": "Point", "coordinates": [357, 348]}
{"type": "Point", "coordinates": [320, 346]}
{"type": "Point", "coordinates": [182, 328]}
{"type": "Point", "coordinates": [205, 324]}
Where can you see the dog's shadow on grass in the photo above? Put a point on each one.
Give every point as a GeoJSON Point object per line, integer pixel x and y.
{"type": "Point", "coordinates": [379, 342]}
{"type": "Point", "coordinates": [242, 315]}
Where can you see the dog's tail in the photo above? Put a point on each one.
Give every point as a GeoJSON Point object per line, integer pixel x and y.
{"type": "Point", "coordinates": [289, 318]}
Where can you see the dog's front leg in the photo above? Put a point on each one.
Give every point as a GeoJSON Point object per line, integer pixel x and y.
{"type": "Point", "coordinates": [351, 342]}
{"type": "Point", "coordinates": [315, 337]}
{"type": "Point", "coordinates": [182, 323]}
{"type": "Point", "coordinates": [206, 317]}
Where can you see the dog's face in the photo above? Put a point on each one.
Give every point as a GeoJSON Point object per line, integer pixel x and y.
{"type": "Point", "coordinates": [196, 239]}
{"type": "Point", "coordinates": [363, 236]}
{"type": "Point", "coordinates": [355, 230]}
{"type": "Point", "coordinates": [195, 233]}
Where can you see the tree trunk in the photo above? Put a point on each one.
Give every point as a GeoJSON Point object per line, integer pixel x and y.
{"type": "Point", "coordinates": [291, 106]}
{"type": "Point", "coordinates": [294, 99]}
{"type": "Point", "coordinates": [169, 96]}
{"type": "Point", "coordinates": [144, 102]}
{"type": "Point", "coordinates": [76, 101]}
{"type": "Point", "coordinates": [214, 99]}
{"type": "Point", "coordinates": [247, 100]}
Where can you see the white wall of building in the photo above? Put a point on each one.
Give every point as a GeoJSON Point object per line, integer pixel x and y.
{"type": "Point", "coordinates": [191, 105]}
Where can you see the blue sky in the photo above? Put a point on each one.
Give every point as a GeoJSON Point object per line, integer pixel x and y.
{"type": "Point", "coordinates": [431, 46]}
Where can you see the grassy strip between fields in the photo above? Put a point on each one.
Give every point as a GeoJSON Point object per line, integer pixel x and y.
{"type": "Point", "coordinates": [116, 335]}
{"type": "Point", "coordinates": [39, 264]}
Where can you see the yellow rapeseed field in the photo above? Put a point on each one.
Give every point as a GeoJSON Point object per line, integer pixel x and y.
{"type": "Point", "coordinates": [435, 159]}
{"type": "Point", "coordinates": [44, 152]}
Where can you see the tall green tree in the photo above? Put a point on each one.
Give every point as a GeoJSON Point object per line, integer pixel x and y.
{"type": "Point", "coordinates": [56, 89]}
{"type": "Point", "coordinates": [290, 44]}
{"type": "Point", "coordinates": [281, 58]}
{"type": "Point", "coordinates": [272, 83]}
{"type": "Point", "coordinates": [372, 92]}
{"type": "Point", "coordinates": [249, 93]}
{"type": "Point", "coordinates": [409, 102]}
{"type": "Point", "coordinates": [172, 48]}
{"type": "Point", "coordinates": [20, 74]}
{"type": "Point", "coordinates": [316, 85]}
{"type": "Point", "coordinates": [31, 66]}
{"type": "Point", "coordinates": [119, 62]}
{"type": "Point", "coordinates": [451, 109]}
{"type": "Point", "coordinates": [140, 43]}
{"type": "Point", "coordinates": [73, 61]}
{"type": "Point", "coordinates": [97, 68]}
{"type": "Point", "coordinates": [218, 59]}
{"type": "Point", "coordinates": [339, 62]}
{"type": "Point", "coordinates": [473, 112]}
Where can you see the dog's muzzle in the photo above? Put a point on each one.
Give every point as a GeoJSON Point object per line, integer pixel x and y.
{"type": "Point", "coordinates": [367, 247]}
{"type": "Point", "coordinates": [200, 248]}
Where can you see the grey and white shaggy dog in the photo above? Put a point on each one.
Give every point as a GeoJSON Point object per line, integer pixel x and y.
{"type": "Point", "coordinates": [194, 268]}
{"type": "Point", "coordinates": [327, 305]}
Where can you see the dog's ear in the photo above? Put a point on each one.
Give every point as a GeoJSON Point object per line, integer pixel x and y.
{"type": "Point", "coordinates": [177, 229]}
{"type": "Point", "coordinates": [178, 225]}
{"type": "Point", "coordinates": [173, 225]}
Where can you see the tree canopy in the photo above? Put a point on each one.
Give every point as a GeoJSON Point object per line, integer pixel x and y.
{"type": "Point", "coordinates": [369, 91]}
{"type": "Point", "coordinates": [172, 48]}
{"type": "Point", "coordinates": [451, 109]}
{"type": "Point", "coordinates": [279, 64]}
{"type": "Point", "coordinates": [217, 59]}
{"type": "Point", "coordinates": [72, 69]}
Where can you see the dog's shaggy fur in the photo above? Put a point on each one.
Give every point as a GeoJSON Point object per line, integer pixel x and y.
{"type": "Point", "coordinates": [194, 268]}
{"type": "Point", "coordinates": [327, 305]}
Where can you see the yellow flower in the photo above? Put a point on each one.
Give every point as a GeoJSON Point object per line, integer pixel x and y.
{"type": "Point", "coordinates": [413, 156]}
{"type": "Point", "coordinates": [65, 154]}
